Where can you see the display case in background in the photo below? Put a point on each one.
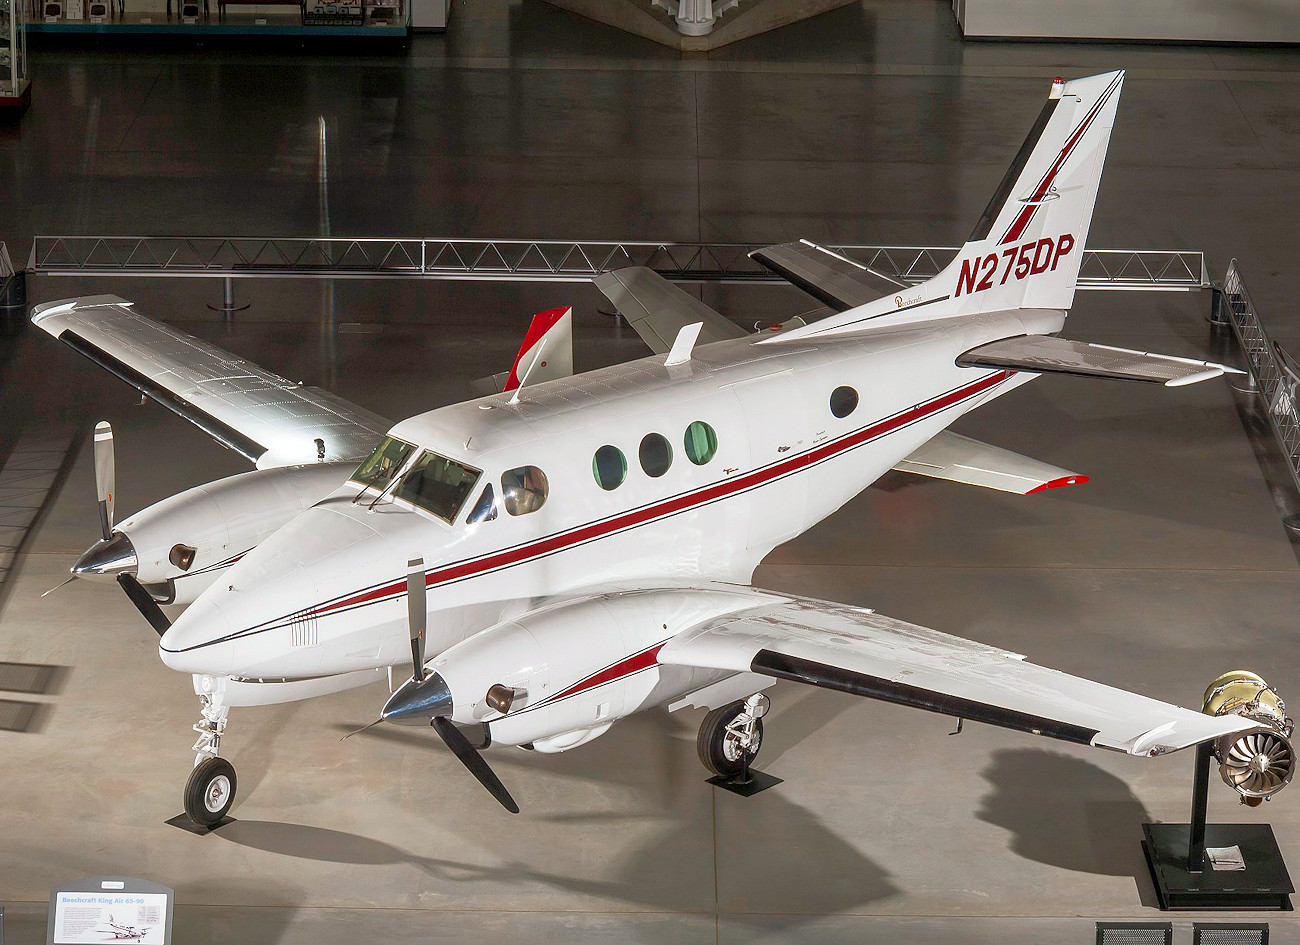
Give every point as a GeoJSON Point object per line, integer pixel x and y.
{"type": "Point", "coordinates": [15, 86]}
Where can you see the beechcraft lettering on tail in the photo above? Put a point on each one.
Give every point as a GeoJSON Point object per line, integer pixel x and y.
{"type": "Point", "coordinates": [571, 548]}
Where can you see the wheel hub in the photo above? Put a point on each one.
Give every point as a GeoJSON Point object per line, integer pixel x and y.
{"type": "Point", "coordinates": [218, 792]}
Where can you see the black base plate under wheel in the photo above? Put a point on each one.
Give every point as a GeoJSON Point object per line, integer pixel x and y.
{"type": "Point", "coordinates": [210, 791]}
{"type": "Point", "coordinates": [711, 742]}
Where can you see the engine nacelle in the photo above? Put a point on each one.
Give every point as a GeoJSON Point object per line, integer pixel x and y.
{"type": "Point", "coordinates": [559, 676]}
{"type": "Point", "coordinates": [1258, 764]}
{"type": "Point", "coordinates": [179, 546]}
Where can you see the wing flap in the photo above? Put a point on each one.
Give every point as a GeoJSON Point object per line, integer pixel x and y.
{"type": "Point", "coordinates": [959, 458]}
{"type": "Point", "coordinates": [658, 310]}
{"type": "Point", "coordinates": [832, 279]}
{"type": "Point", "coordinates": [835, 646]}
{"type": "Point", "coordinates": [266, 418]}
{"type": "Point", "coordinates": [1045, 354]}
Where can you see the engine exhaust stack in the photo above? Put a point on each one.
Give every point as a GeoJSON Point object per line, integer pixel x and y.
{"type": "Point", "coordinates": [1258, 764]}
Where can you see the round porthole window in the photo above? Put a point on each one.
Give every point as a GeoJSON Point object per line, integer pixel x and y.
{"type": "Point", "coordinates": [656, 455]}
{"type": "Point", "coordinates": [844, 400]}
{"type": "Point", "coordinates": [701, 443]}
{"type": "Point", "coordinates": [609, 466]}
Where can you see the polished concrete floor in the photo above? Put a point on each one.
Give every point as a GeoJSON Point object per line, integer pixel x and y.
{"type": "Point", "coordinates": [873, 123]}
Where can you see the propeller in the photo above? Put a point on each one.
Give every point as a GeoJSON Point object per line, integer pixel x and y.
{"type": "Point", "coordinates": [144, 602]}
{"type": "Point", "coordinates": [426, 695]}
{"type": "Point", "coordinates": [469, 756]}
{"type": "Point", "coordinates": [417, 615]}
{"type": "Point", "coordinates": [105, 477]}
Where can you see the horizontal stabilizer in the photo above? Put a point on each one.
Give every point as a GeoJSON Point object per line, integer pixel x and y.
{"type": "Point", "coordinates": [1044, 354]}
{"type": "Point", "coordinates": [658, 310]}
{"type": "Point", "coordinates": [827, 276]}
{"type": "Point", "coordinates": [960, 459]}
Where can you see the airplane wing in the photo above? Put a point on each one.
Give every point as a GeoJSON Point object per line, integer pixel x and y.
{"type": "Point", "coordinates": [269, 420]}
{"type": "Point", "coordinates": [959, 458]}
{"type": "Point", "coordinates": [835, 280]}
{"type": "Point", "coordinates": [852, 650]}
{"type": "Point", "coordinates": [1046, 354]}
{"type": "Point", "coordinates": [657, 310]}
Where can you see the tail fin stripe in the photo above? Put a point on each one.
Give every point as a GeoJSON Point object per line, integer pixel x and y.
{"type": "Point", "coordinates": [999, 199]}
{"type": "Point", "coordinates": [1044, 185]}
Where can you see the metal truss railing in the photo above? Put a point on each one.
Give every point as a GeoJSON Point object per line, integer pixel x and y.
{"type": "Point", "coordinates": [532, 260]}
{"type": "Point", "coordinates": [1273, 372]}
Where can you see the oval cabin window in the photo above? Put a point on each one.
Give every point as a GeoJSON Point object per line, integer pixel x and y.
{"type": "Point", "coordinates": [609, 466]}
{"type": "Point", "coordinates": [656, 455]}
{"type": "Point", "coordinates": [523, 490]}
{"type": "Point", "coordinates": [701, 443]}
{"type": "Point", "coordinates": [844, 400]}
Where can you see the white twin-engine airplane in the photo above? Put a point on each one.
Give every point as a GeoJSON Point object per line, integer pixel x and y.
{"type": "Point", "coordinates": [580, 546]}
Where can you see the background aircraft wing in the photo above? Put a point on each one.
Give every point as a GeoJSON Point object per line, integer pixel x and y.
{"type": "Point", "coordinates": [849, 649]}
{"type": "Point", "coordinates": [268, 419]}
{"type": "Point", "coordinates": [658, 310]}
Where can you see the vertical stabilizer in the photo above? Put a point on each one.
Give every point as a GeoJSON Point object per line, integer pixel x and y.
{"type": "Point", "coordinates": [1026, 249]}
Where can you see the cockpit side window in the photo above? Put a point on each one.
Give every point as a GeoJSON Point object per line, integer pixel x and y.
{"type": "Point", "coordinates": [438, 485]}
{"type": "Point", "coordinates": [380, 466]}
{"type": "Point", "coordinates": [485, 510]}
{"type": "Point", "coordinates": [524, 490]}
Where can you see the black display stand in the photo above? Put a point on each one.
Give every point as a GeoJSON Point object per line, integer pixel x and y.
{"type": "Point", "coordinates": [748, 782]}
{"type": "Point", "coordinates": [1183, 877]}
{"type": "Point", "coordinates": [183, 821]}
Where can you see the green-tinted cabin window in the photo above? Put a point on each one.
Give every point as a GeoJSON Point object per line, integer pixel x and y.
{"type": "Point", "coordinates": [609, 466]}
{"type": "Point", "coordinates": [701, 443]}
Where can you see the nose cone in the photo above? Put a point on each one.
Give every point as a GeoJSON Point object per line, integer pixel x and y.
{"type": "Point", "coordinates": [193, 643]}
{"type": "Point", "coordinates": [418, 702]}
{"type": "Point", "coordinates": [105, 560]}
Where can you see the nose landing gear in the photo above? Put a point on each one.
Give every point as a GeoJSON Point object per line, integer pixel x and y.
{"type": "Point", "coordinates": [729, 740]}
{"type": "Point", "coordinates": [210, 789]}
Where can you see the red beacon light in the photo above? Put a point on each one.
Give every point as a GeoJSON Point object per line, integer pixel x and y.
{"type": "Point", "coordinates": [1058, 87]}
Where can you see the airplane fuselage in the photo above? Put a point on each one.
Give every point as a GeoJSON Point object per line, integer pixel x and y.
{"type": "Point", "coordinates": [325, 594]}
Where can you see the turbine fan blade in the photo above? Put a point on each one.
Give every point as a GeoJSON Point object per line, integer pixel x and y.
{"type": "Point", "coordinates": [144, 603]}
{"type": "Point", "coordinates": [416, 615]}
{"type": "Point", "coordinates": [471, 759]}
{"type": "Point", "coordinates": [105, 477]}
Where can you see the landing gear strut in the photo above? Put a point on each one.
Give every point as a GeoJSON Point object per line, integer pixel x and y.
{"type": "Point", "coordinates": [210, 789]}
{"type": "Point", "coordinates": [729, 740]}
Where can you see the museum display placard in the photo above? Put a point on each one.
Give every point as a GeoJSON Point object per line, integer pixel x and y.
{"type": "Point", "coordinates": [110, 908]}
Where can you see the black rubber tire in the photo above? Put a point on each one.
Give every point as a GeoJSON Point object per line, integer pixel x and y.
{"type": "Point", "coordinates": [207, 797]}
{"type": "Point", "coordinates": [713, 732]}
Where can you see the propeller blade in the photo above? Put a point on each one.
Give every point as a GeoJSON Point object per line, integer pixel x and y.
{"type": "Point", "coordinates": [416, 615]}
{"type": "Point", "coordinates": [364, 728]}
{"type": "Point", "coordinates": [471, 759]}
{"type": "Point", "coordinates": [144, 602]}
{"type": "Point", "coordinates": [62, 583]}
{"type": "Point", "coordinates": [105, 477]}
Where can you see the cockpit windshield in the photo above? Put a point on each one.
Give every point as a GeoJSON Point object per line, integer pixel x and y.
{"type": "Point", "coordinates": [380, 466]}
{"type": "Point", "coordinates": [438, 485]}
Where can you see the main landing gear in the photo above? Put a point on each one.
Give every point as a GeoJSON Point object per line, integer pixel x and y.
{"type": "Point", "coordinates": [729, 740]}
{"type": "Point", "coordinates": [210, 790]}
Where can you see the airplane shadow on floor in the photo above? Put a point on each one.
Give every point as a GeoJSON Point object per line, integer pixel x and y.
{"type": "Point", "coordinates": [778, 839]}
{"type": "Point", "coordinates": [1066, 812]}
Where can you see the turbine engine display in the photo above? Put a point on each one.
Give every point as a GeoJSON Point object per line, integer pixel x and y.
{"type": "Point", "coordinates": [1257, 764]}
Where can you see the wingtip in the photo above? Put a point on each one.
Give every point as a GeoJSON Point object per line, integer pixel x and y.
{"type": "Point", "coordinates": [1059, 483]}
